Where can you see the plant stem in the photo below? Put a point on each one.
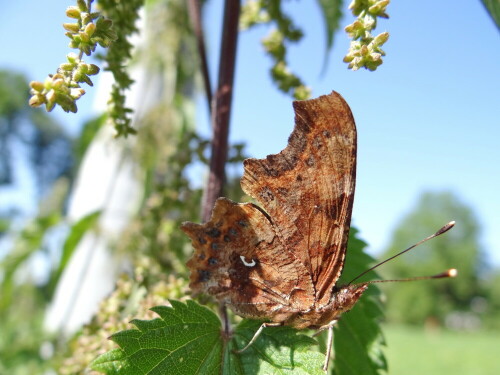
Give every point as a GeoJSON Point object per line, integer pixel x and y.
{"type": "Point", "coordinates": [221, 108]}
{"type": "Point", "coordinates": [195, 16]}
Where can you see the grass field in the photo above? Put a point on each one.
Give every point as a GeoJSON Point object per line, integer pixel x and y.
{"type": "Point", "coordinates": [414, 351]}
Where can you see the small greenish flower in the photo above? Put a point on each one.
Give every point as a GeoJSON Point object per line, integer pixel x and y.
{"type": "Point", "coordinates": [381, 39]}
{"type": "Point", "coordinates": [90, 29]}
{"type": "Point", "coordinates": [71, 27]}
{"type": "Point", "coordinates": [37, 86]}
{"type": "Point", "coordinates": [252, 13]}
{"type": "Point", "coordinates": [356, 29]}
{"type": "Point", "coordinates": [302, 92]}
{"type": "Point", "coordinates": [72, 58]}
{"type": "Point", "coordinates": [76, 93]}
{"type": "Point", "coordinates": [273, 43]}
{"type": "Point", "coordinates": [92, 69]}
{"type": "Point", "coordinates": [86, 18]}
{"type": "Point", "coordinates": [364, 50]}
{"type": "Point", "coordinates": [37, 100]}
{"type": "Point", "coordinates": [378, 9]}
{"type": "Point", "coordinates": [73, 12]}
{"type": "Point", "coordinates": [82, 5]}
{"type": "Point", "coordinates": [367, 56]}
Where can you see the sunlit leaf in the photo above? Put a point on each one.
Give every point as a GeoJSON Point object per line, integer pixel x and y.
{"type": "Point", "coordinates": [493, 8]}
{"type": "Point", "coordinates": [187, 339]}
{"type": "Point", "coordinates": [76, 233]}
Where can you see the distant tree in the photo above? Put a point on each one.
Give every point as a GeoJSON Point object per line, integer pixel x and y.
{"type": "Point", "coordinates": [432, 300]}
{"type": "Point", "coordinates": [29, 135]}
{"type": "Point", "coordinates": [492, 307]}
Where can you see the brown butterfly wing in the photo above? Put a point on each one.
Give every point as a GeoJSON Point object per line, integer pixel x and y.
{"type": "Point", "coordinates": [308, 188]}
{"type": "Point", "coordinates": [281, 262]}
{"type": "Point", "coordinates": [239, 260]}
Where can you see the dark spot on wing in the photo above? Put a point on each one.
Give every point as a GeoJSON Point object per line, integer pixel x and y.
{"type": "Point", "coordinates": [317, 143]}
{"type": "Point", "coordinates": [203, 275]}
{"type": "Point", "coordinates": [213, 232]}
{"type": "Point", "coordinates": [267, 195]}
{"type": "Point", "coordinates": [283, 191]}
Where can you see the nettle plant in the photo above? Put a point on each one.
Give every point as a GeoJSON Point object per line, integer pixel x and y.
{"type": "Point", "coordinates": [90, 29]}
{"type": "Point", "coordinates": [188, 338]}
{"type": "Point", "coordinates": [63, 88]}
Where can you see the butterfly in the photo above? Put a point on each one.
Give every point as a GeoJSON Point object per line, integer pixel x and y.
{"type": "Point", "coordinates": [280, 259]}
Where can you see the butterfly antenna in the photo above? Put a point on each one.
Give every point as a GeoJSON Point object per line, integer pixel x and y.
{"type": "Point", "coordinates": [452, 272]}
{"type": "Point", "coordinates": [449, 273]}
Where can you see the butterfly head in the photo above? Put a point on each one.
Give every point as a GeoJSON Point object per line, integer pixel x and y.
{"type": "Point", "coordinates": [343, 299]}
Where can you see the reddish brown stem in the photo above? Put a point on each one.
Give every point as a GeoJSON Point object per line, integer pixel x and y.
{"type": "Point", "coordinates": [221, 108]}
{"type": "Point", "coordinates": [195, 16]}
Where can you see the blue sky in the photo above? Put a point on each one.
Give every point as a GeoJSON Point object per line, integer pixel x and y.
{"type": "Point", "coordinates": [428, 119]}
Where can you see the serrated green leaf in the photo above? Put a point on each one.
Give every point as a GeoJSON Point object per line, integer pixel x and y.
{"type": "Point", "coordinates": [358, 339]}
{"type": "Point", "coordinates": [187, 339]}
{"type": "Point", "coordinates": [493, 8]}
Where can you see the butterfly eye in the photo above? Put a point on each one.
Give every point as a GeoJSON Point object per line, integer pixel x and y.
{"type": "Point", "coordinates": [248, 264]}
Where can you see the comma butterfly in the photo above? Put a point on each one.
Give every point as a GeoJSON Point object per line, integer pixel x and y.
{"type": "Point", "coordinates": [280, 260]}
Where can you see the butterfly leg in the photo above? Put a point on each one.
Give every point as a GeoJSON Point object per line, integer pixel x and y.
{"type": "Point", "coordinates": [257, 334]}
{"type": "Point", "coordinates": [329, 342]}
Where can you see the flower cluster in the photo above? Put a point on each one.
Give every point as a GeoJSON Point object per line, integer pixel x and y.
{"type": "Point", "coordinates": [255, 12]}
{"type": "Point", "coordinates": [63, 88]}
{"type": "Point", "coordinates": [117, 60]}
{"type": "Point", "coordinates": [89, 29]}
{"type": "Point", "coordinates": [365, 50]}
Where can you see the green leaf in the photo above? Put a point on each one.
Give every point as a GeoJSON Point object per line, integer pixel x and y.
{"type": "Point", "coordinates": [358, 339]}
{"type": "Point", "coordinates": [278, 350]}
{"type": "Point", "coordinates": [29, 241]}
{"type": "Point", "coordinates": [493, 8]}
{"type": "Point", "coordinates": [332, 13]}
{"type": "Point", "coordinates": [76, 233]}
{"type": "Point", "coordinates": [187, 339]}
{"type": "Point", "coordinates": [112, 362]}
{"type": "Point", "coordinates": [89, 130]}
